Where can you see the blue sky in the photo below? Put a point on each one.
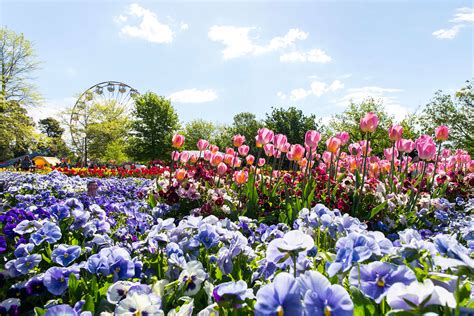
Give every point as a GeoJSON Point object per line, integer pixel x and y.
{"type": "Point", "coordinates": [216, 59]}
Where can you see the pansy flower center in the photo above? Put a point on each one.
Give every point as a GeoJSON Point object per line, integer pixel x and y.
{"type": "Point", "coordinates": [280, 311]}
{"type": "Point", "coordinates": [327, 311]}
{"type": "Point", "coordinates": [66, 255]}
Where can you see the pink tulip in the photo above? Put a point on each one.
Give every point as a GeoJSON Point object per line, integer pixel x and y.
{"type": "Point", "coordinates": [221, 168]}
{"type": "Point", "coordinates": [268, 148]}
{"type": "Point", "coordinates": [280, 140]}
{"type": "Point", "coordinates": [297, 152]}
{"type": "Point", "coordinates": [250, 159]}
{"type": "Point", "coordinates": [238, 140]}
{"type": "Point", "coordinates": [244, 150]}
{"type": "Point", "coordinates": [175, 155]}
{"type": "Point", "coordinates": [344, 137]}
{"type": "Point", "coordinates": [312, 139]}
{"type": "Point", "coordinates": [230, 151]}
{"type": "Point", "coordinates": [289, 156]}
{"type": "Point", "coordinates": [202, 144]}
{"type": "Point", "coordinates": [216, 159]}
{"type": "Point", "coordinates": [389, 153]}
{"type": "Point", "coordinates": [235, 162]}
{"type": "Point", "coordinates": [442, 132]}
{"type": "Point", "coordinates": [261, 162]}
{"type": "Point", "coordinates": [184, 157]}
{"type": "Point", "coordinates": [240, 177]}
{"type": "Point", "coordinates": [405, 145]}
{"type": "Point", "coordinates": [395, 132]}
{"type": "Point", "coordinates": [213, 149]}
{"type": "Point", "coordinates": [193, 158]}
{"type": "Point", "coordinates": [326, 157]}
{"type": "Point", "coordinates": [285, 148]}
{"type": "Point", "coordinates": [207, 155]}
{"type": "Point", "coordinates": [333, 144]}
{"type": "Point", "coordinates": [228, 159]}
{"type": "Point", "coordinates": [177, 141]}
{"type": "Point", "coordinates": [264, 136]}
{"type": "Point", "coordinates": [426, 147]}
{"type": "Point", "coordinates": [369, 123]}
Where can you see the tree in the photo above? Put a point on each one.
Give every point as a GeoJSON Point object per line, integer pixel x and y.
{"type": "Point", "coordinates": [154, 125]}
{"type": "Point", "coordinates": [291, 122]}
{"type": "Point", "coordinates": [245, 124]}
{"type": "Point", "coordinates": [107, 131]}
{"type": "Point", "coordinates": [349, 121]}
{"type": "Point", "coordinates": [16, 128]}
{"type": "Point", "coordinates": [51, 127]}
{"type": "Point", "coordinates": [198, 129]}
{"type": "Point", "coordinates": [18, 62]}
{"type": "Point", "coordinates": [456, 112]}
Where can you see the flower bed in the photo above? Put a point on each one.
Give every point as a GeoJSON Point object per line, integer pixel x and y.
{"type": "Point", "coordinates": [120, 252]}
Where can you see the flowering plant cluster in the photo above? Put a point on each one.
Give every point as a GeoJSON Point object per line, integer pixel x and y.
{"type": "Point", "coordinates": [116, 252]}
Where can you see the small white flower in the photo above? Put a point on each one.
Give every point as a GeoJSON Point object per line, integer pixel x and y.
{"type": "Point", "coordinates": [192, 277]}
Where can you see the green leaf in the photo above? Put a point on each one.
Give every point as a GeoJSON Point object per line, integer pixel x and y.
{"type": "Point", "coordinates": [151, 200]}
{"type": "Point", "coordinates": [89, 304]}
{"type": "Point", "coordinates": [39, 311]}
{"type": "Point", "coordinates": [377, 209]}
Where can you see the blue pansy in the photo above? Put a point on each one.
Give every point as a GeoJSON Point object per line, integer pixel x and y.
{"type": "Point", "coordinates": [50, 233]}
{"type": "Point", "coordinates": [64, 255]}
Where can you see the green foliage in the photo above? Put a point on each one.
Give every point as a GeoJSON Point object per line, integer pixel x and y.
{"type": "Point", "coordinates": [245, 124]}
{"type": "Point", "coordinates": [456, 112]}
{"type": "Point", "coordinates": [199, 129]}
{"type": "Point", "coordinates": [349, 121]}
{"type": "Point", "coordinates": [107, 132]}
{"type": "Point", "coordinates": [291, 122]}
{"type": "Point", "coordinates": [155, 122]}
{"type": "Point", "coordinates": [16, 128]}
{"type": "Point", "coordinates": [17, 63]}
{"type": "Point", "coordinates": [51, 127]}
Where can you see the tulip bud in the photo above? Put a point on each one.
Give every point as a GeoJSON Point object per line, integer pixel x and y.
{"type": "Point", "coordinates": [177, 141]}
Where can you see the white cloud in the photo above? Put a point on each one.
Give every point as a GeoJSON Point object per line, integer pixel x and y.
{"type": "Point", "coordinates": [193, 96]}
{"type": "Point", "coordinates": [148, 27]}
{"type": "Point", "coordinates": [238, 41]}
{"type": "Point", "coordinates": [317, 88]}
{"type": "Point", "coordinates": [385, 95]}
{"type": "Point", "coordinates": [313, 56]}
{"type": "Point", "coordinates": [447, 33]}
{"type": "Point", "coordinates": [462, 17]}
{"type": "Point", "coordinates": [184, 26]}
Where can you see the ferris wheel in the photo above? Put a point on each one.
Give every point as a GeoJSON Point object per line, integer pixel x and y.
{"type": "Point", "coordinates": [104, 93]}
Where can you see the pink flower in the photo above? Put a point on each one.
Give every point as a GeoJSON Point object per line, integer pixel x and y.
{"type": "Point", "coordinates": [175, 155]}
{"type": "Point", "coordinates": [442, 132]}
{"type": "Point", "coordinates": [297, 152]}
{"type": "Point", "coordinates": [207, 155]}
{"type": "Point", "coordinates": [177, 141]}
{"type": "Point", "coordinates": [268, 148]}
{"type": "Point", "coordinates": [395, 132]}
{"type": "Point", "coordinates": [221, 168]}
{"type": "Point", "coordinates": [240, 177]}
{"type": "Point", "coordinates": [312, 139]}
{"type": "Point", "coordinates": [261, 162]}
{"type": "Point", "coordinates": [180, 174]}
{"type": "Point", "coordinates": [250, 159]}
{"type": "Point", "coordinates": [202, 144]}
{"type": "Point", "coordinates": [244, 150]}
{"type": "Point", "coordinates": [230, 151]}
{"type": "Point", "coordinates": [184, 157]}
{"type": "Point", "coordinates": [214, 149]}
{"type": "Point", "coordinates": [193, 158]}
{"type": "Point", "coordinates": [388, 153]}
{"type": "Point", "coordinates": [216, 159]}
{"type": "Point", "coordinates": [285, 148]}
{"type": "Point", "coordinates": [369, 123]}
{"type": "Point", "coordinates": [426, 147]}
{"type": "Point", "coordinates": [264, 136]}
{"type": "Point", "coordinates": [405, 145]}
{"type": "Point", "coordinates": [343, 136]}
{"type": "Point", "coordinates": [238, 140]}
{"type": "Point", "coordinates": [280, 140]}
{"type": "Point", "coordinates": [333, 144]}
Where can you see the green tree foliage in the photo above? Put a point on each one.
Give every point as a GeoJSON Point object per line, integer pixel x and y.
{"type": "Point", "coordinates": [199, 129]}
{"type": "Point", "coordinates": [17, 64]}
{"type": "Point", "coordinates": [349, 121]}
{"type": "Point", "coordinates": [456, 112]}
{"type": "Point", "coordinates": [108, 128]}
{"type": "Point", "coordinates": [155, 122]}
{"type": "Point", "coordinates": [51, 127]}
{"type": "Point", "coordinates": [291, 122]}
{"type": "Point", "coordinates": [245, 124]}
{"type": "Point", "coordinates": [16, 128]}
